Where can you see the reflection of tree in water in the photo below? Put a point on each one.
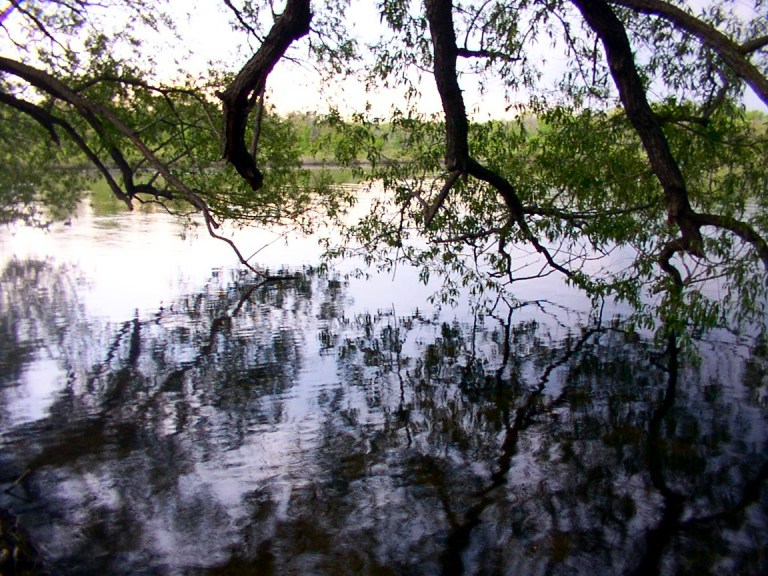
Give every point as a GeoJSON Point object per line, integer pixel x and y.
{"type": "Point", "coordinates": [593, 454]}
{"type": "Point", "coordinates": [167, 393]}
{"type": "Point", "coordinates": [16, 349]}
{"type": "Point", "coordinates": [38, 311]}
{"type": "Point", "coordinates": [259, 429]}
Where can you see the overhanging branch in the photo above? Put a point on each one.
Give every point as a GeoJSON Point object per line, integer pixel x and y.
{"type": "Point", "coordinates": [731, 53]}
{"type": "Point", "coordinates": [95, 114]}
{"type": "Point", "coordinates": [239, 97]}
{"type": "Point", "coordinates": [457, 157]}
{"type": "Point", "coordinates": [601, 18]}
{"type": "Point", "coordinates": [440, 17]}
{"type": "Point", "coordinates": [740, 229]}
{"type": "Point", "coordinates": [754, 45]}
{"type": "Point", "coordinates": [483, 53]}
{"type": "Point", "coordinates": [49, 122]}
{"type": "Point", "coordinates": [431, 211]}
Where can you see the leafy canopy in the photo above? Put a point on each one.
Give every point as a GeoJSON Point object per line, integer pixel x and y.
{"type": "Point", "coordinates": [623, 162]}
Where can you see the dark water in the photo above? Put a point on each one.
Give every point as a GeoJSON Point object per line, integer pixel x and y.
{"type": "Point", "coordinates": [225, 426]}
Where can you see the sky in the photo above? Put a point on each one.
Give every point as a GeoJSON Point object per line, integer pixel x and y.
{"type": "Point", "coordinates": [204, 26]}
{"type": "Point", "coordinates": [296, 88]}
{"type": "Point", "coordinates": [292, 87]}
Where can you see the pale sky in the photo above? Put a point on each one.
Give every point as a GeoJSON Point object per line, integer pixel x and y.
{"type": "Point", "coordinates": [296, 88]}
{"type": "Point", "coordinates": [206, 36]}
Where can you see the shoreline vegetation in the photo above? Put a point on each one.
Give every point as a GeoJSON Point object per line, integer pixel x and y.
{"type": "Point", "coordinates": [354, 151]}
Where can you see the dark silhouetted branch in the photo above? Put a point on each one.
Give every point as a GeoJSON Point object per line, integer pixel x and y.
{"type": "Point", "coordinates": [731, 53]}
{"type": "Point", "coordinates": [601, 18]}
{"type": "Point", "coordinates": [483, 53]}
{"type": "Point", "coordinates": [753, 45]}
{"type": "Point", "coordinates": [240, 96]}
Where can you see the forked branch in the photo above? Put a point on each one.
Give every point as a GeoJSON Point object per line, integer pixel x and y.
{"type": "Point", "coordinates": [457, 157]}
{"type": "Point", "coordinates": [601, 18]}
{"type": "Point", "coordinates": [734, 55]}
{"type": "Point", "coordinates": [241, 95]}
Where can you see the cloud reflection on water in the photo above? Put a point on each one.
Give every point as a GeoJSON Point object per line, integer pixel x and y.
{"type": "Point", "coordinates": [214, 425]}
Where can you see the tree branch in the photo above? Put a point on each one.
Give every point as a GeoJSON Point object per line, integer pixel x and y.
{"type": "Point", "coordinates": [740, 229]}
{"type": "Point", "coordinates": [600, 17]}
{"type": "Point", "coordinates": [457, 158]}
{"type": "Point", "coordinates": [39, 25]}
{"type": "Point", "coordinates": [470, 236]}
{"type": "Point", "coordinates": [49, 121]}
{"type": "Point", "coordinates": [165, 91]}
{"type": "Point", "coordinates": [665, 261]}
{"type": "Point", "coordinates": [731, 53]}
{"type": "Point", "coordinates": [610, 30]}
{"type": "Point", "coordinates": [40, 115]}
{"type": "Point", "coordinates": [93, 113]}
{"type": "Point", "coordinates": [753, 45]}
{"type": "Point", "coordinates": [483, 53]}
{"type": "Point", "coordinates": [257, 127]}
{"type": "Point", "coordinates": [440, 17]}
{"type": "Point", "coordinates": [431, 211]}
{"type": "Point", "coordinates": [515, 207]}
{"type": "Point", "coordinates": [537, 210]}
{"type": "Point", "coordinates": [238, 100]}
{"type": "Point", "coordinates": [239, 15]}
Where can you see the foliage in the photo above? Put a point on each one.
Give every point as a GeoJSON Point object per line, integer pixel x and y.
{"type": "Point", "coordinates": [635, 173]}
{"type": "Point", "coordinates": [38, 183]}
{"type": "Point", "coordinates": [604, 217]}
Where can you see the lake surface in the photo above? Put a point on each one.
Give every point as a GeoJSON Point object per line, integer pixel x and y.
{"type": "Point", "coordinates": [168, 413]}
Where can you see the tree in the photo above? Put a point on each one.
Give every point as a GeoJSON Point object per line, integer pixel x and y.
{"type": "Point", "coordinates": [640, 147]}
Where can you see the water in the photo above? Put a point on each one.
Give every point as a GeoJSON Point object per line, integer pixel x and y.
{"type": "Point", "coordinates": [172, 415]}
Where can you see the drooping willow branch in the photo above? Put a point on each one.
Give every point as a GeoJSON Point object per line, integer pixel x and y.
{"type": "Point", "coordinates": [740, 229]}
{"type": "Point", "coordinates": [96, 115]}
{"type": "Point", "coordinates": [165, 91]}
{"type": "Point", "coordinates": [612, 34]}
{"type": "Point", "coordinates": [754, 45]}
{"type": "Point", "coordinates": [241, 20]}
{"type": "Point", "coordinates": [457, 158]}
{"type": "Point", "coordinates": [485, 53]}
{"type": "Point", "coordinates": [49, 122]}
{"type": "Point", "coordinates": [733, 54]}
{"type": "Point", "coordinates": [604, 22]}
